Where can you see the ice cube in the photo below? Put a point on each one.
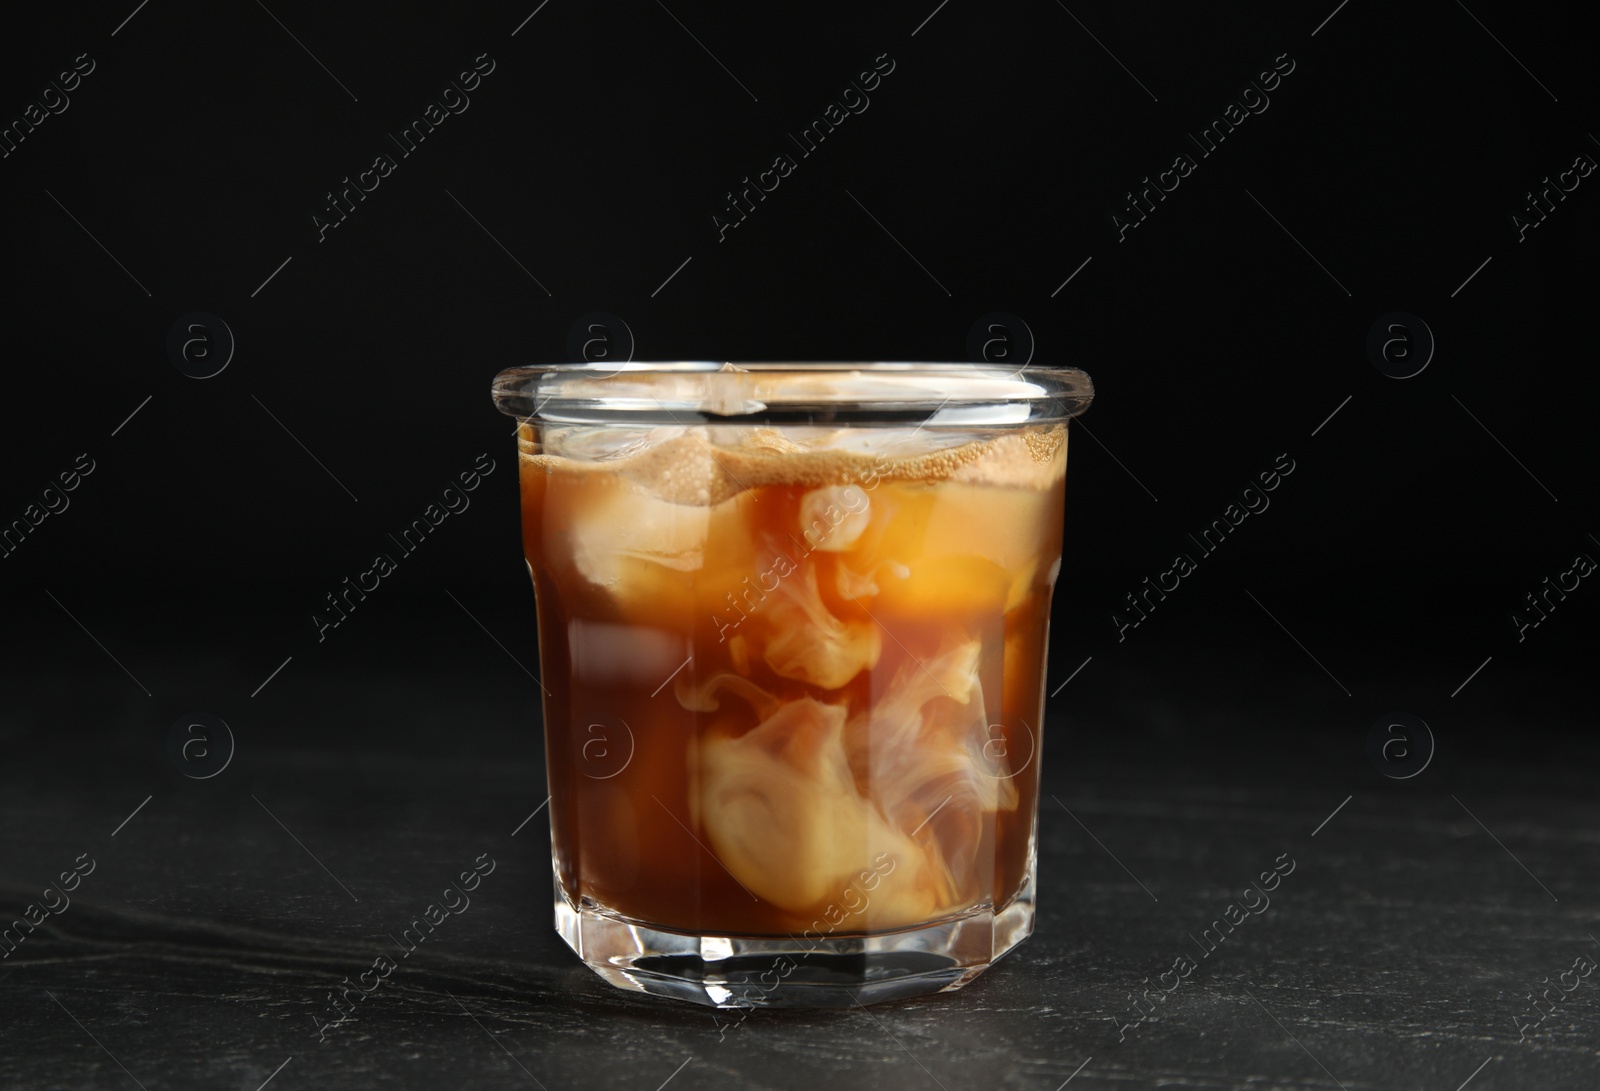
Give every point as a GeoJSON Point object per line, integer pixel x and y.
{"type": "Point", "coordinates": [1003, 525]}
{"type": "Point", "coordinates": [727, 396]}
{"type": "Point", "coordinates": [646, 526]}
{"type": "Point", "coordinates": [624, 525]}
{"type": "Point", "coordinates": [890, 442]}
{"type": "Point", "coordinates": [592, 443]}
{"type": "Point", "coordinates": [673, 462]}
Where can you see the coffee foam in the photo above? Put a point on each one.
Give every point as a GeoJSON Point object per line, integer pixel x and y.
{"type": "Point", "coordinates": [691, 466]}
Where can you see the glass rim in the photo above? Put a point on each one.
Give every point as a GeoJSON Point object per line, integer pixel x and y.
{"type": "Point", "coordinates": [862, 392]}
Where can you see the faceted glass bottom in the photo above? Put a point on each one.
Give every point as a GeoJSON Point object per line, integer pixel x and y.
{"type": "Point", "coordinates": [789, 971]}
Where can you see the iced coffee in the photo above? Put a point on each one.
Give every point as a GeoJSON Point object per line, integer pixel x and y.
{"type": "Point", "coordinates": [794, 675]}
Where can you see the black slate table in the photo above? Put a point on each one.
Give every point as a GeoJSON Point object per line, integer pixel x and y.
{"type": "Point", "coordinates": [1399, 952]}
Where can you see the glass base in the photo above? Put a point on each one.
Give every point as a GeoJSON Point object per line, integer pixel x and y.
{"type": "Point", "coordinates": [794, 972]}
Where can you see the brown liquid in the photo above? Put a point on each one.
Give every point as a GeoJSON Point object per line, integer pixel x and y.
{"type": "Point", "coordinates": [793, 690]}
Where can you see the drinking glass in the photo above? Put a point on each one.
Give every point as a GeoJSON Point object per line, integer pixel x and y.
{"type": "Point", "coordinates": [793, 622]}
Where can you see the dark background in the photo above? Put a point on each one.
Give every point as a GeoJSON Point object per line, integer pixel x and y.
{"type": "Point", "coordinates": [1220, 334]}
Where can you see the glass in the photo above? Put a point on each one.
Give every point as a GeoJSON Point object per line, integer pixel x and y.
{"type": "Point", "coordinates": [793, 622]}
